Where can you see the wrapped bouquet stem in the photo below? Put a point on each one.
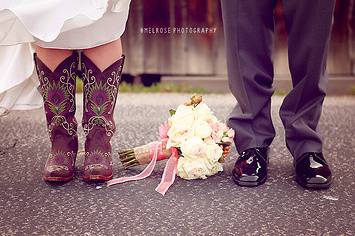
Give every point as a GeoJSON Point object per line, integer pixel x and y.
{"type": "Point", "coordinates": [143, 154]}
{"type": "Point", "coordinates": [193, 141]}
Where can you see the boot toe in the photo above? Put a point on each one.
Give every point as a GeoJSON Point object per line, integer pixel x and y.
{"type": "Point", "coordinates": [97, 172]}
{"type": "Point", "coordinates": [57, 173]}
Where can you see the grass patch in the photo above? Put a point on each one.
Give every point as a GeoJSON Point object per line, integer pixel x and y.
{"type": "Point", "coordinates": [170, 88]}
{"type": "Point", "coordinates": [352, 90]}
{"type": "Point", "coordinates": [160, 88]}
{"type": "Point", "coordinates": [155, 88]}
{"type": "Point", "coordinates": [79, 85]}
{"type": "Point", "coordinates": [279, 92]}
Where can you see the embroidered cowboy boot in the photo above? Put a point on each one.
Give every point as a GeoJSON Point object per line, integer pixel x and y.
{"type": "Point", "coordinates": [58, 91]}
{"type": "Point", "coordinates": [100, 94]}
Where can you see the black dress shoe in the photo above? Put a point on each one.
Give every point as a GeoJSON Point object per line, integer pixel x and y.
{"type": "Point", "coordinates": [250, 169]}
{"type": "Point", "coordinates": [312, 171]}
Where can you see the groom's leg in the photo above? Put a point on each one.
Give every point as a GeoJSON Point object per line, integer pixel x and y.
{"type": "Point", "coordinates": [308, 24]}
{"type": "Point", "coordinates": [248, 26]}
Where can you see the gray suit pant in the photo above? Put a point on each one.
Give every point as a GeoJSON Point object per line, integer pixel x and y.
{"type": "Point", "coordinates": [248, 28]}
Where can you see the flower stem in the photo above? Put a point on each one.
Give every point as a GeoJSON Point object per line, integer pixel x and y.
{"type": "Point", "coordinates": [128, 158]}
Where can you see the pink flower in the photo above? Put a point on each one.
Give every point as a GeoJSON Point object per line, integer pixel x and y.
{"type": "Point", "coordinates": [216, 138]}
{"type": "Point", "coordinates": [215, 127]}
{"type": "Point", "coordinates": [223, 127]}
{"type": "Point", "coordinates": [163, 131]}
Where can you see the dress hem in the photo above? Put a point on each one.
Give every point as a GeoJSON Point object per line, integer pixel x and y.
{"type": "Point", "coordinates": [80, 48]}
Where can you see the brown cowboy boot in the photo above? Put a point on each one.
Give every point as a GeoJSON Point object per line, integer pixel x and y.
{"type": "Point", "coordinates": [58, 91]}
{"type": "Point", "coordinates": [100, 94]}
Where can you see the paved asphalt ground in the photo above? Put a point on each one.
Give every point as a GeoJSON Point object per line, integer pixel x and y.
{"type": "Point", "coordinates": [215, 206]}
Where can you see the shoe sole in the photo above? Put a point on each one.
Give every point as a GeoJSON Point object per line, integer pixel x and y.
{"type": "Point", "coordinates": [58, 179]}
{"type": "Point", "coordinates": [313, 186]}
{"type": "Point", "coordinates": [97, 178]}
{"type": "Point", "coordinates": [248, 183]}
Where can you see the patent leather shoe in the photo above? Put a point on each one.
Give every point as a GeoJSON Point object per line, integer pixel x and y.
{"type": "Point", "coordinates": [312, 171]}
{"type": "Point", "coordinates": [250, 169]}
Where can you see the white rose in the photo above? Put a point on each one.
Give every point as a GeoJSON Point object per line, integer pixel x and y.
{"type": "Point", "coordinates": [214, 152]}
{"type": "Point", "coordinates": [176, 137]}
{"type": "Point", "coordinates": [217, 136]}
{"type": "Point", "coordinates": [180, 126]}
{"type": "Point", "coordinates": [213, 166]}
{"type": "Point", "coordinates": [201, 129]}
{"type": "Point", "coordinates": [216, 168]}
{"type": "Point", "coordinates": [189, 168]}
{"type": "Point", "coordinates": [181, 172]}
{"type": "Point", "coordinates": [208, 140]}
{"type": "Point", "coordinates": [193, 147]}
{"type": "Point", "coordinates": [200, 168]}
{"type": "Point", "coordinates": [211, 119]}
{"type": "Point", "coordinates": [183, 118]}
{"type": "Point", "coordinates": [202, 112]}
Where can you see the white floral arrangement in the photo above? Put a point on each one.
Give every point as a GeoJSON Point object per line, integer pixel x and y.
{"type": "Point", "coordinates": [200, 138]}
{"type": "Point", "coordinates": [193, 140]}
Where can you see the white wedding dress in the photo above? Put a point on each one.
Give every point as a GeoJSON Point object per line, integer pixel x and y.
{"type": "Point", "coordinates": [64, 24]}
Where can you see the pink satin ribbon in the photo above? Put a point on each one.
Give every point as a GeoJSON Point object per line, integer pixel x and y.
{"type": "Point", "coordinates": [144, 174]}
{"type": "Point", "coordinates": [160, 155]}
{"type": "Point", "coordinates": [168, 174]}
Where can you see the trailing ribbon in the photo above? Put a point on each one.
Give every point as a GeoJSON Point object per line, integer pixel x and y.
{"type": "Point", "coordinates": [144, 174]}
{"type": "Point", "coordinates": [168, 174]}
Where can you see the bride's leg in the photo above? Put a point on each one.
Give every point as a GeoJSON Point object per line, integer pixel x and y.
{"type": "Point", "coordinates": [56, 71]}
{"type": "Point", "coordinates": [104, 55]}
{"type": "Point", "coordinates": [101, 72]}
{"type": "Point", "coordinates": [52, 57]}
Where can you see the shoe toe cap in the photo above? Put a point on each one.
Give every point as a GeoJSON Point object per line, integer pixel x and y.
{"type": "Point", "coordinates": [97, 170]}
{"type": "Point", "coordinates": [319, 179]}
{"type": "Point", "coordinates": [249, 178]}
{"type": "Point", "coordinates": [57, 171]}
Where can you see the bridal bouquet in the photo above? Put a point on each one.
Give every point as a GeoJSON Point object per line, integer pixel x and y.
{"type": "Point", "coordinates": [193, 140]}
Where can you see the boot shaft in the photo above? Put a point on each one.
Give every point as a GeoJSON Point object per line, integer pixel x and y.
{"type": "Point", "coordinates": [58, 92]}
{"type": "Point", "coordinates": [100, 95]}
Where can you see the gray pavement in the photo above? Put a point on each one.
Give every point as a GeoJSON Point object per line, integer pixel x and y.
{"type": "Point", "coordinates": [215, 206]}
